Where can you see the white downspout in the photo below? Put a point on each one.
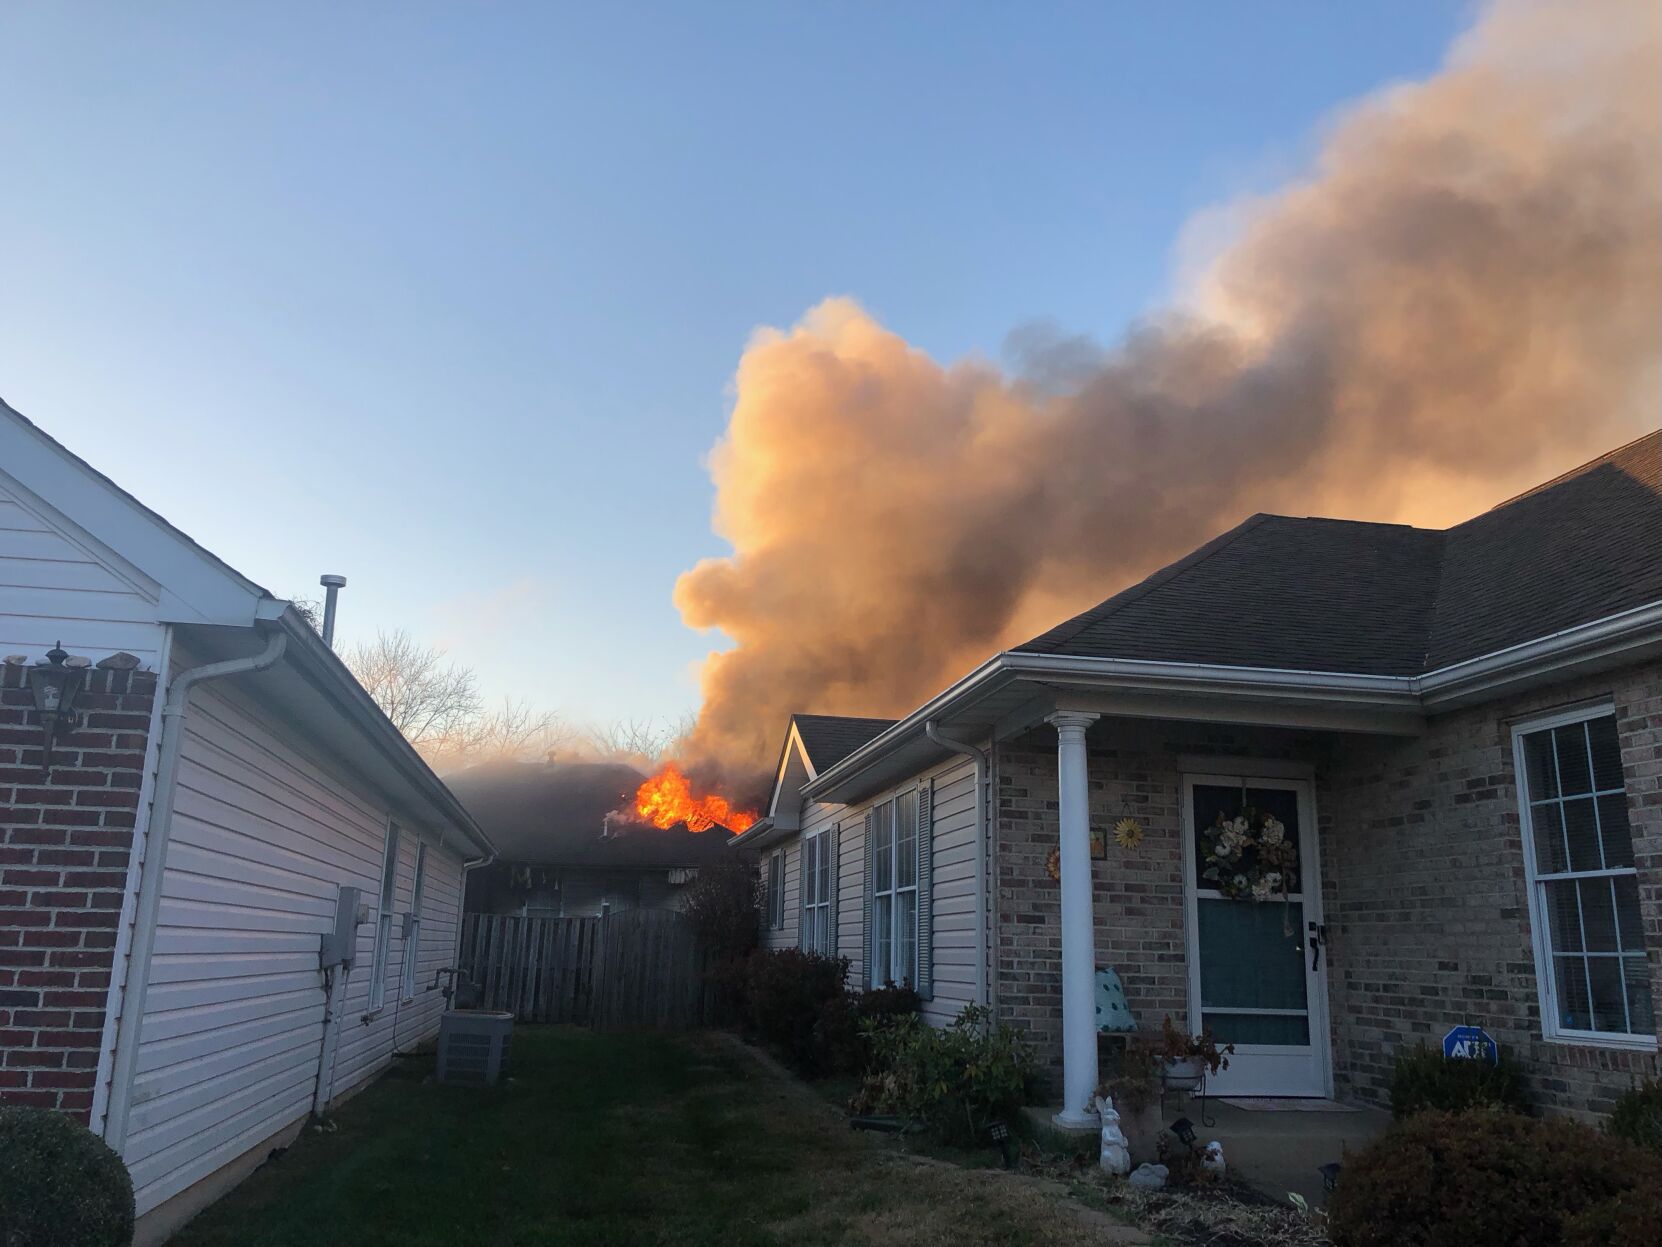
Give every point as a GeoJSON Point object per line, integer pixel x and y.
{"type": "Point", "coordinates": [983, 936]}
{"type": "Point", "coordinates": [150, 889]}
{"type": "Point", "coordinates": [461, 916]}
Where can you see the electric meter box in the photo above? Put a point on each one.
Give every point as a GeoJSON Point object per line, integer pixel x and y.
{"type": "Point", "coordinates": [340, 945]}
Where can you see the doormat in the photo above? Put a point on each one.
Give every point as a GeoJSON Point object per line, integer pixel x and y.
{"type": "Point", "coordinates": [1286, 1104]}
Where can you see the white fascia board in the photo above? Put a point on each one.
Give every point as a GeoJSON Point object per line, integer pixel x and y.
{"type": "Point", "coordinates": [761, 835]}
{"type": "Point", "coordinates": [1257, 682]}
{"type": "Point", "coordinates": [195, 587]}
{"type": "Point", "coordinates": [322, 667]}
{"type": "Point", "coordinates": [1353, 700]}
{"type": "Point", "coordinates": [792, 755]}
{"type": "Point", "coordinates": [988, 676]}
{"type": "Point", "coordinates": [1626, 637]}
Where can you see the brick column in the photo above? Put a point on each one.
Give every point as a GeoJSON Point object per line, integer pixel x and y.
{"type": "Point", "coordinates": [64, 848]}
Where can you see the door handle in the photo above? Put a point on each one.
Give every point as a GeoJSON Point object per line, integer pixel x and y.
{"type": "Point", "coordinates": [1318, 937]}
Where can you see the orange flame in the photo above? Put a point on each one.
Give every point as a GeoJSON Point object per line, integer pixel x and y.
{"type": "Point", "coordinates": [667, 798]}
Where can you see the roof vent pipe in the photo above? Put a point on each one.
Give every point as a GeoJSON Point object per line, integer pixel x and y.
{"type": "Point", "coordinates": [332, 585]}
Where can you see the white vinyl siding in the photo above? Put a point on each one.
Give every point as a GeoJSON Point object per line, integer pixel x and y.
{"type": "Point", "coordinates": [1584, 890]}
{"type": "Point", "coordinates": [956, 940]}
{"type": "Point", "coordinates": [263, 837]}
{"type": "Point", "coordinates": [56, 585]}
{"type": "Point", "coordinates": [956, 944]}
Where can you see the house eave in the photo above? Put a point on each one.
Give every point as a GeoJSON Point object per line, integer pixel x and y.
{"type": "Point", "coordinates": [325, 670]}
{"type": "Point", "coordinates": [761, 835]}
{"type": "Point", "coordinates": [1601, 644]}
{"type": "Point", "coordinates": [1327, 700]}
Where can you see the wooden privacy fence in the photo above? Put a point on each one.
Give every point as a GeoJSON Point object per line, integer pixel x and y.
{"type": "Point", "coordinates": [642, 967]}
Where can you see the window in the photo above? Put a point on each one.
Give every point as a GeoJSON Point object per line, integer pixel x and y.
{"type": "Point", "coordinates": [383, 921]}
{"type": "Point", "coordinates": [894, 897]}
{"type": "Point", "coordinates": [1584, 890]}
{"type": "Point", "coordinates": [816, 894]}
{"type": "Point", "coordinates": [412, 926]}
{"type": "Point", "coordinates": [776, 891]}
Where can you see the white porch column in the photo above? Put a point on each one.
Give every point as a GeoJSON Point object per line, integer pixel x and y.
{"type": "Point", "coordinates": [1079, 1074]}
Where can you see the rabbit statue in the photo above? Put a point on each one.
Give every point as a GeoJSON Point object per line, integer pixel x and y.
{"type": "Point", "coordinates": [1116, 1151]}
{"type": "Point", "coordinates": [1211, 1160]}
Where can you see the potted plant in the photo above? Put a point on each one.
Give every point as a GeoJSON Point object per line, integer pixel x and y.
{"type": "Point", "coordinates": [1187, 1059]}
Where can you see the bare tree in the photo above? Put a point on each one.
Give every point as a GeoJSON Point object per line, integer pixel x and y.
{"type": "Point", "coordinates": [648, 741]}
{"type": "Point", "coordinates": [428, 698]}
{"type": "Point", "coordinates": [514, 730]}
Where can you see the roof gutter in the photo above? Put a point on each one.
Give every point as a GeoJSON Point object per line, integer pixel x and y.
{"type": "Point", "coordinates": [1613, 637]}
{"type": "Point", "coordinates": [989, 675]}
{"type": "Point", "coordinates": [330, 676]}
{"type": "Point", "coordinates": [1608, 640]}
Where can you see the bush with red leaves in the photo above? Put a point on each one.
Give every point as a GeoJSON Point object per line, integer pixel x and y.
{"type": "Point", "coordinates": [1458, 1179]}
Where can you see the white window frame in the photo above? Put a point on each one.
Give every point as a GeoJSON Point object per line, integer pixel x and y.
{"type": "Point", "coordinates": [894, 972]}
{"type": "Point", "coordinates": [412, 925]}
{"type": "Point", "coordinates": [383, 920]}
{"type": "Point", "coordinates": [815, 936]}
{"type": "Point", "coordinates": [1546, 979]}
{"type": "Point", "coordinates": [776, 890]}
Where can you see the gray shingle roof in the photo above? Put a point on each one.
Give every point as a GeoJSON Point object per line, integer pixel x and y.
{"type": "Point", "coordinates": [1387, 599]}
{"type": "Point", "coordinates": [829, 738]}
{"type": "Point", "coordinates": [553, 815]}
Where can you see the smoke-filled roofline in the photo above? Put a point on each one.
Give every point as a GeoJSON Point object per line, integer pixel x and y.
{"type": "Point", "coordinates": [1395, 700]}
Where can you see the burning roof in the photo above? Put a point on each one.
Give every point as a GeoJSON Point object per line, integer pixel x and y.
{"type": "Point", "coordinates": [577, 814]}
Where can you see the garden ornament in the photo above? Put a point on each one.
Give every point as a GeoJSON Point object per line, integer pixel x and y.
{"type": "Point", "coordinates": [1149, 1177]}
{"type": "Point", "coordinates": [1211, 1159]}
{"type": "Point", "coordinates": [1116, 1150]}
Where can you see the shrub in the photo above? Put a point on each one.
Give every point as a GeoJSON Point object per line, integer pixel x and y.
{"type": "Point", "coordinates": [1637, 1116]}
{"type": "Point", "coordinates": [841, 1042]}
{"type": "Point", "coordinates": [1632, 1219]}
{"type": "Point", "coordinates": [957, 1081]}
{"type": "Point", "coordinates": [786, 991]}
{"type": "Point", "coordinates": [1426, 1079]}
{"type": "Point", "coordinates": [724, 906]}
{"type": "Point", "coordinates": [60, 1185]}
{"type": "Point", "coordinates": [1484, 1176]}
{"type": "Point", "coordinates": [1136, 1082]}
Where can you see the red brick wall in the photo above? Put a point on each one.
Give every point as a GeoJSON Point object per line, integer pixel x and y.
{"type": "Point", "coordinates": [64, 847]}
{"type": "Point", "coordinates": [1426, 893]}
{"type": "Point", "coordinates": [1423, 882]}
{"type": "Point", "coordinates": [1138, 894]}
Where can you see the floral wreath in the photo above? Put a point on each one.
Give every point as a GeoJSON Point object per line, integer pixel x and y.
{"type": "Point", "coordinates": [1250, 857]}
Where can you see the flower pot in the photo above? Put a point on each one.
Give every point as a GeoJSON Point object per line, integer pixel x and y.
{"type": "Point", "coordinates": [1184, 1073]}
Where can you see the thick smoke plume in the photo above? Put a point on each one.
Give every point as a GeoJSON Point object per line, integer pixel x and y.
{"type": "Point", "coordinates": [1462, 298]}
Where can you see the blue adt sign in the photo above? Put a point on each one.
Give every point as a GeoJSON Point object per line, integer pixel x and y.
{"type": "Point", "coordinates": [1472, 1043]}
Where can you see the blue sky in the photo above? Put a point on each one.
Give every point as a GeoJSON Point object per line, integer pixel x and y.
{"type": "Point", "coordinates": [447, 297]}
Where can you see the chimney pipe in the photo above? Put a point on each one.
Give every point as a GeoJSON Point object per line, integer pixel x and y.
{"type": "Point", "coordinates": [332, 585]}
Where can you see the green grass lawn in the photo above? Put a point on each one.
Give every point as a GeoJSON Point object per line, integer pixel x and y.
{"type": "Point", "coordinates": [620, 1139]}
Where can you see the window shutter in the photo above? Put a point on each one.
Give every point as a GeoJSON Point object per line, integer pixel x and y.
{"type": "Point", "coordinates": [803, 849]}
{"type": "Point", "coordinates": [926, 892]}
{"type": "Point", "coordinates": [833, 864]}
{"type": "Point", "coordinates": [865, 922]}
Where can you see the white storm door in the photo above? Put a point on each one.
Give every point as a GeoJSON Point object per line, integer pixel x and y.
{"type": "Point", "coordinates": [1255, 979]}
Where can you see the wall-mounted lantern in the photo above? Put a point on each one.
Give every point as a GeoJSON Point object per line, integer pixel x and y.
{"type": "Point", "coordinates": [55, 688]}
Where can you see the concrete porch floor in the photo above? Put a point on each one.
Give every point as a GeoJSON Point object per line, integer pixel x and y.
{"type": "Point", "coordinates": [1281, 1150]}
{"type": "Point", "coordinates": [1278, 1151]}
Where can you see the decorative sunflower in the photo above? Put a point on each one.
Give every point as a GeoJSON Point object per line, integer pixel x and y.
{"type": "Point", "coordinates": [1128, 833]}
